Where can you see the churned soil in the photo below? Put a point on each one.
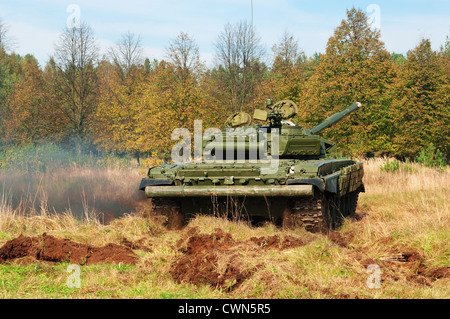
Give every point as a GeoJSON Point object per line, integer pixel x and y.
{"type": "Point", "coordinates": [218, 260]}
{"type": "Point", "coordinates": [49, 248]}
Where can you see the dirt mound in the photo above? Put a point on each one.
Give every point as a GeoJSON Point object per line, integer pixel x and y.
{"type": "Point", "coordinates": [218, 260]}
{"type": "Point", "coordinates": [49, 248]}
{"type": "Point", "coordinates": [200, 262]}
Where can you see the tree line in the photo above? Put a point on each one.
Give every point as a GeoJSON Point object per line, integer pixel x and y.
{"type": "Point", "coordinates": [124, 103]}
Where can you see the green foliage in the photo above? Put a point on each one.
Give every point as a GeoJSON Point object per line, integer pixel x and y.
{"type": "Point", "coordinates": [431, 156]}
{"type": "Point", "coordinates": [390, 166]}
{"type": "Point", "coordinates": [355, 67]}
{"type": "Point", "coordinates": [398, 166]}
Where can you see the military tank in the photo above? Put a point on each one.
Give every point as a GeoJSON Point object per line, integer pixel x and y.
{"type": "Point", "coordinates": [265, 169]}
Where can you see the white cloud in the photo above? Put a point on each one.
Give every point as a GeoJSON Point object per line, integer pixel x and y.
{"type": "Point", "coordinates": [31, 39]}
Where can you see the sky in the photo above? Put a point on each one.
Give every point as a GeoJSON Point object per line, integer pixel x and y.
{"type": "Point", "coordinates": [35, 26]}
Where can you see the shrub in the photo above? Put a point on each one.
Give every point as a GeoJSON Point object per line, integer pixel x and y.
{"type": "Point", "coordinates": [390, 166]}
{"type": "Point", "coordinates": [431, 156]}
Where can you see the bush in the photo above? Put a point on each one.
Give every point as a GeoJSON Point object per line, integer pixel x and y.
{"type": "Point", "coordinates": [432, 157]}
{"type": "Point", "coordinates": [390, 166]}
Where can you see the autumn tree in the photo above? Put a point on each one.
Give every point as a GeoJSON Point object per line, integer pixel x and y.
{"type": "Point", "coordinates": [355, 67]}
{"type": "Point", "coordinates": [287, 74]}
{"type": "Point", "coordinates": [8, 78]}
{"type": "Point", "coordinates": [183, 54]}
{"type": "Point", "coordinates": [122, 103]}
{"type": "Point", "coordinates": [22, 115]}
{"type": "Point", "coordinates": [127, 54]}
{"type": "Point", "coordinates": [121, 98]}
{"type": "Point", "coordinates": [422, 103]}
{"type": "Point", "coordinates": [286, 51]}
{"type": "Point", "coordinates": [180, 99]}
{"type": "Point", "coordinates": [138, 111]}
{"type": "Point", "coordinates": [444, 57]}
{"type": "Point", "coordinates": [76, 56]}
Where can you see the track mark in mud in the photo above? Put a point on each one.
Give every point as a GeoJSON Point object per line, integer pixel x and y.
{"type": "Point", "coordinates": [49, 248]}
{"type": "Point", "coordinates": [219, 261]}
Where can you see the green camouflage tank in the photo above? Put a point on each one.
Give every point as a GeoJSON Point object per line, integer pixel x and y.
{"type": "Point", "coordinates": [275, 170]}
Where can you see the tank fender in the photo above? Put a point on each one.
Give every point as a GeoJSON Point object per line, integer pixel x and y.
{"type": "Point", "coordinates": [331, 182]}
{"type": "Point", "coordinates": [154, 182]}
{"type": "Point", "coordinates": [318, 182]}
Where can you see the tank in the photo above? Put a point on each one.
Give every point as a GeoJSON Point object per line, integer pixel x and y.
{"type": "Point", "coordinates": [265, 168]}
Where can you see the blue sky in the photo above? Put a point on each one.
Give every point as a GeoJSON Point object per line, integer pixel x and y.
{"type": "Point", "coordinates": [36, 25]}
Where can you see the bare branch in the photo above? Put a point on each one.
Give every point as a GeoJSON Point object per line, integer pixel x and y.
{"type": "Point", "coordinates": [7, 43]}
{"type": "Point", "coordinates": [127, 53]}
{"type": "Point", "coordinates": [237, 49]}
{"type": "Point", "coordinates": [286, 51]}
{"type": "Point", "coordinates": [183, 54]}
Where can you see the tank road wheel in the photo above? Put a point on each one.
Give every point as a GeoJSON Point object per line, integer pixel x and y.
{"type": "Point", "coordinates": [353, 201]}
{"type": "Point", "coordinates": [340, 207]}
{"type": "Point", "coordinates": [305, 212]}
{"type": "Point", "coordinates": [171, 209]}
{"type": "Point", "coordinates": [322, 213]}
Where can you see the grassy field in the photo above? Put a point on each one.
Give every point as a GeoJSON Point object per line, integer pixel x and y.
{"type": "Point", "coordinates": [398, 247]}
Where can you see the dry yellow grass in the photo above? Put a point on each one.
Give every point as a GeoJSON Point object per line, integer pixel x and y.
{"type": "Point", "coordinates": [404, 214]}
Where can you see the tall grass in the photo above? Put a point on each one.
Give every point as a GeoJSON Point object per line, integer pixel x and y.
{"type": "Point", "coordinates": [401, 211]}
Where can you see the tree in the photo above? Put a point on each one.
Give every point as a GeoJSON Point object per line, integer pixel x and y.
{"type": "Point", "coordinates": [288, 72]}
{"type": "Point", "coordinates": [9, 69]}
{"type": "Point", "coordinates": [238, 71]}
{"type": "Point", "coordinates": [76, 54]}
{"type": "Point", "coordinates": [121, 105]}
{"type": "Point", "coordinates": [355, 67]}
{"type": "Point", "coordinates": [26, 120]}
{"type": "Point", "coordinates": [398, 58]}
{"type": "Point", "coordinates": [6, 41]}
{"type": "Point", "coordinates": [444, 56]}
{"type": "Point", "coordinates": [422, 103]}
{"type": "Point", "coordinates": [183, 54]}
{"type": "Point", "coordinates": [127, 53]}
{"type": "Point", "coordinates": [286, 51]}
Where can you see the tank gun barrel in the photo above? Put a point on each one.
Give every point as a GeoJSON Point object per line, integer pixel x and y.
{"type": "Point", "coordinates": [335, 118]}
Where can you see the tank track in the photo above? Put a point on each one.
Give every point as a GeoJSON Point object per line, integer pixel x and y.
{"type": "Point", "coordinates": [321, 213]}
{"type": "Point", "coordinates": [306, 213]}
{"type": "Point", "coordinates": [170, 208]}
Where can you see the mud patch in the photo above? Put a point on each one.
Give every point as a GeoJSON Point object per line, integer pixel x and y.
{"type": "Point", "coordinates": [49, 248]}
{"type": "Point", "coordinates": [339, 239]}
{"type": "Point", "coordinates": [439, 273]}
{"type": "Point", "coordinates": [410, 265]}
{"type": "Point", "coordinates": [218, 260]}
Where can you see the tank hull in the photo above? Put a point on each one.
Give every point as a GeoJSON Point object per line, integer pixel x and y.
{"type": "Point", "coordinates": [315, 194]}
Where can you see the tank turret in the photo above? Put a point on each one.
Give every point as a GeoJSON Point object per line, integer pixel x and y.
{"type": "Point", "coordinates": [293, 140]}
